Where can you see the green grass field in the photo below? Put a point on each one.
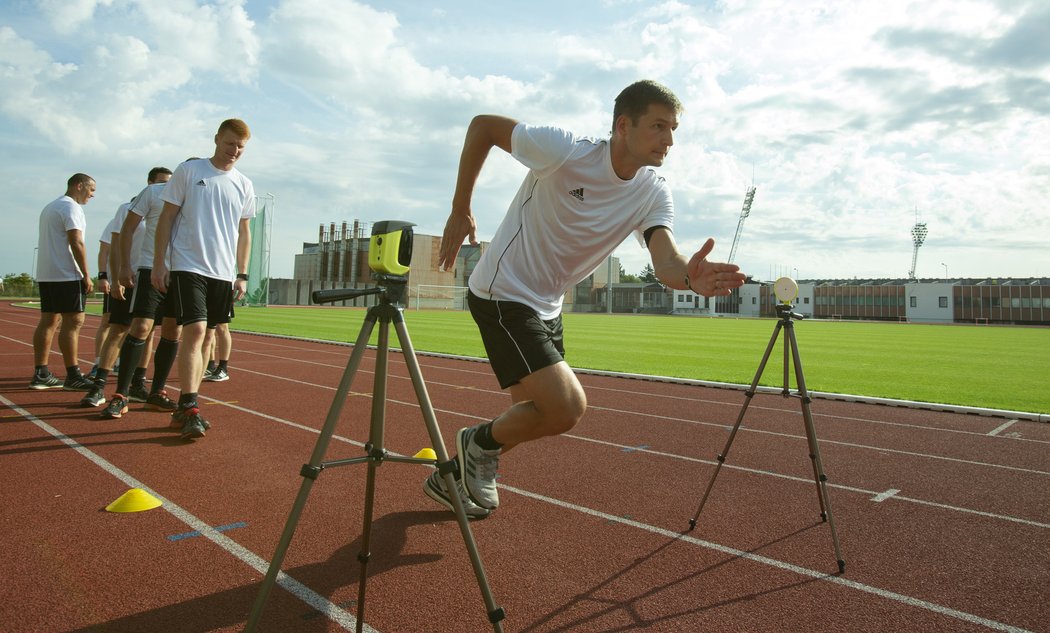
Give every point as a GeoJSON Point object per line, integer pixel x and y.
{"type": "Point", "coordinates": [978, 366]}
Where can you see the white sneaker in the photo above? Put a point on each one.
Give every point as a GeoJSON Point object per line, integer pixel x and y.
{"type": "Point", "coordinates": [478, 468]}
{"type": "Point", "coordinates": [434, 486]}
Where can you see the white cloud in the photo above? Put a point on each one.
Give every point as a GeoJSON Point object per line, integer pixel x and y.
{"type": "Point", "coordinates": [850, 115]}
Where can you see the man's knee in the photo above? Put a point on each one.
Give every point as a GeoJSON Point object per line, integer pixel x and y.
{"type": "Point", "coordinates": [72, 320]}
{"type": "Point", "coordinates": [561, 409]}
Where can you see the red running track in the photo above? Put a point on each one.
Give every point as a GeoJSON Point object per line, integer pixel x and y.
{"type": "Point", "coordinates": [943, 518]}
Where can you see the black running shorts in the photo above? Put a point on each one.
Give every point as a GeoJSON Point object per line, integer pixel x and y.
{"type": "Point", "coordinates": [62, 297]}
{"type": "Point", "coordinates": [198, 298]}
{"type": "Point", "coordinates": [119, 310]}
{"type": "Point", "coordinates": [518, 342]}
{"type": "Point", "coordinates": [146, 301]}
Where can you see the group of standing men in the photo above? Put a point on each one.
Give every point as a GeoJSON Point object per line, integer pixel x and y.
{"type": "Point", "coordinates": [178, 255]}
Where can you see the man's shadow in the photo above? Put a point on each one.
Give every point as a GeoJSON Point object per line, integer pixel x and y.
{"type": "Point", "coordinates": [231, 607]}
{"type": "Point", "coordinates": [599, 601]}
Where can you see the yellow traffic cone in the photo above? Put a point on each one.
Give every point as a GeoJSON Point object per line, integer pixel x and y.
{"type": "Point", "coordinates": [134, 500]}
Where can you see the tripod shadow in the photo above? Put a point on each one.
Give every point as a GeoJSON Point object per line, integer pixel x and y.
{"type": "Point", "coordinates": [230, 608]}
{"type": "Point", "coordinates": [629, 605]}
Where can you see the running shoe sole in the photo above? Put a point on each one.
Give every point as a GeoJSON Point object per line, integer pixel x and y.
{"type": "Point", "coordinates": [434, 487]}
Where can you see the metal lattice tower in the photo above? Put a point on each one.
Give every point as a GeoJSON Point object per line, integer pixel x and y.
{"type": "Point", "coordinates": [749, 197]}
{"type": "Point", "coordinates": [918, 236]}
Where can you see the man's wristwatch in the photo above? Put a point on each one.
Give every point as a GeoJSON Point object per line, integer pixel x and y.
{"type": "Point", "coordinates": [242, 276]}
{"type": "Point", "coordinates": [687, 286]}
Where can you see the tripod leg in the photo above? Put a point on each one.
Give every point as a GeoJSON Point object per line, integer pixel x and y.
{"type": "Point", "coordinates": [814, 448]}
{"type": "Point", "coordinates": [495, 613]}
{"type": "Point", "coordinates": [739, 419]}
{"type": "Point", "coordinates": [311, 470]}
{"type": "Point", "coordinates": [377, 452]}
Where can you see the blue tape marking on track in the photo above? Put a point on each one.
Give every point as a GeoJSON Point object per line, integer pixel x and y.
{"type": "Point", "coordinates": [631, 449]}
{"type": "Point", "coordinates": [221, 528]}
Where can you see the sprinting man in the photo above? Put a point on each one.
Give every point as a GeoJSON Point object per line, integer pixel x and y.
{"type": "Point", "coordinates": [581, 198]}
{"type": "Point", "coordinates": [65, 283]}
{"type": "Point", "coordinates": [208, 205]}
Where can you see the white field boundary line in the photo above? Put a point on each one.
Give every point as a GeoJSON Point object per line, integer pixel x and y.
{"type": "Point", "coordinates": [299, 590]}
{"type": "Point", "coordinates": [752, 406]}
{"type": "Point", "coordinates": [909, 404]}
{"type": "Point", "coordinates": [333, 611]}
{"type": "Point", "coordinates": [777, 564]}
{"type": "Point", "coordinates": [893, 402]}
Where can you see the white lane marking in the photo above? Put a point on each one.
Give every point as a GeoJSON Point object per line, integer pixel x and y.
{"type": "Point", "coordinates": [1002, 427]}
{"type": "Point", "coordinates": [771, 562]}
{"type": "Point", "coordinates": [253, 560]}
{"type": "Point", "coordinates": [882, 496]}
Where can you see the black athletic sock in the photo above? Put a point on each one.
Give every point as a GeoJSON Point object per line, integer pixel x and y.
{"type": "Point", "coordinates": [42, 371]}
{"type": "Point", "coordinates": [484, 438]}
{"type": "Point", "coordinates": [101, 375]}
{"type": "Point", "coordinates": [139, 378]}
{"type": "Point", "coordinates": [163, 360]}
{"type": "Point", "coordinates": [131, 351]}
{"type": "Point", "coordinates": [72, 371]}
{"type": "Point", "coordinates": [211, 366]}
{"type": "Point", "coordinates": [224, 365]}
{"type": "Point", "coordinates": [188, 401]}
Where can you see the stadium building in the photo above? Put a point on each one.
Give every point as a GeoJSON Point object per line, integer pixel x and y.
{"type": "Point", "coordinates": [338, 259]}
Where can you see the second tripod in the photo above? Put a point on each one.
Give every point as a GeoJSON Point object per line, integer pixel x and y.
{"type": "Point", "coordinates": [791, 359]}
{"type": "Point", "coordinates": [391, 292]}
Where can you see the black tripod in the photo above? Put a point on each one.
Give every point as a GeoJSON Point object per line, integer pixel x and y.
{"type": "Point", "coordinates": [391, 293]}
{"type": "Point", "coordinates": [790, 343]}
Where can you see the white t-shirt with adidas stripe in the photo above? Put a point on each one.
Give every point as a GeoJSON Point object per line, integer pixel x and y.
{"type": "Point", "coordinates": [570, 213]}
{"type": "Point", "coordinates": [213, 203]}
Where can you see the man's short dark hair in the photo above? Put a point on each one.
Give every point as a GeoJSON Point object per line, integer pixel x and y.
{"type": "Point", "coordinates": [634, 100]}
{"type": "Point", "coordinates": [78, 179]}
{"type": "Point", "coordinates": [153, 173]}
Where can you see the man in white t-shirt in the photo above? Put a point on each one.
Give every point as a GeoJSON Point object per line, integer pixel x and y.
{"type": "Point", "coordinates": [131, 377]}
{"type": "Point", "coordinates": [581, 198]}
{"type": "Point", "coordinates": [204, 230]}
{"type": "Point", "coordinates": [65, 282]}
{"type": "Point", "coordinates": [142, 307]}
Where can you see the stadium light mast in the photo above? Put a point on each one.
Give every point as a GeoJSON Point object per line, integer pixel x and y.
{"type": "Point", "coordinates": [749, 197]}
{"type": "Point", "coordinates": [918, 236]}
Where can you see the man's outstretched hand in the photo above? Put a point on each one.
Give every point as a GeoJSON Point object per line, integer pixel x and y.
{"type": "Point", "coordinates": [713, 279]}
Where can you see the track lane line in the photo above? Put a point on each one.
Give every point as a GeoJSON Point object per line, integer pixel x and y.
{"type": "Point", "coordinates": [235, 549]}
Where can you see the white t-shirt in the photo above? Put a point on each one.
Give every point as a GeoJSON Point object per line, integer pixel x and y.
{"type": "Point", "coordinates": [137, 241]}
{"type": "Point", "coordinates": [148, 206]}
{"type": "Point", "coordinates": [213, 203]}
{"type": "Point", "coordinates": [570, 213]}
{"type": "Point", "coordinates": [106, 236]}
{"type": "Point", "coordinates": [54, 260]}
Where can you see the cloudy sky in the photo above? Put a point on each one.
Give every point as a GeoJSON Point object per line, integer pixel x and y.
{"type": "Point", "coordinates": [854, 120]}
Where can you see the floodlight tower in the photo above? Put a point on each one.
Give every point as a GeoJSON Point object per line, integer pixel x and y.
{"type": "Point", "coordinates": [918, 236]}
{"type": "Point", "coordinates": [728, 304]}
{"type": "Point", "coordinates": [749, 197]}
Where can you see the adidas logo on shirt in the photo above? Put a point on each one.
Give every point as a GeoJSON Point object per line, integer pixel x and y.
{"type": "Point", "coordinates": [577, 193]}
{"type": "Point", "coordinates": [201, 183]}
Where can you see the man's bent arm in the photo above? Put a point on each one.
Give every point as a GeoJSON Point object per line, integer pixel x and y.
{"type": "Point", "coordinates": [484, 132]}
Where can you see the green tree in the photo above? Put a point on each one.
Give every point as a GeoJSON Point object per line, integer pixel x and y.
{"type": "Point", "coordinates": [20, 285]}
{"type": "Point", "coordinates": [625, 278]}
{"type": "Point", "coordinates": [649, 275]}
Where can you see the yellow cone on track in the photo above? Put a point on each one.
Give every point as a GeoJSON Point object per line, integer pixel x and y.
{"type": "Point", "coordinates": [134, 500]}
{"type": "Point", "coordinates": [426, 453]}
